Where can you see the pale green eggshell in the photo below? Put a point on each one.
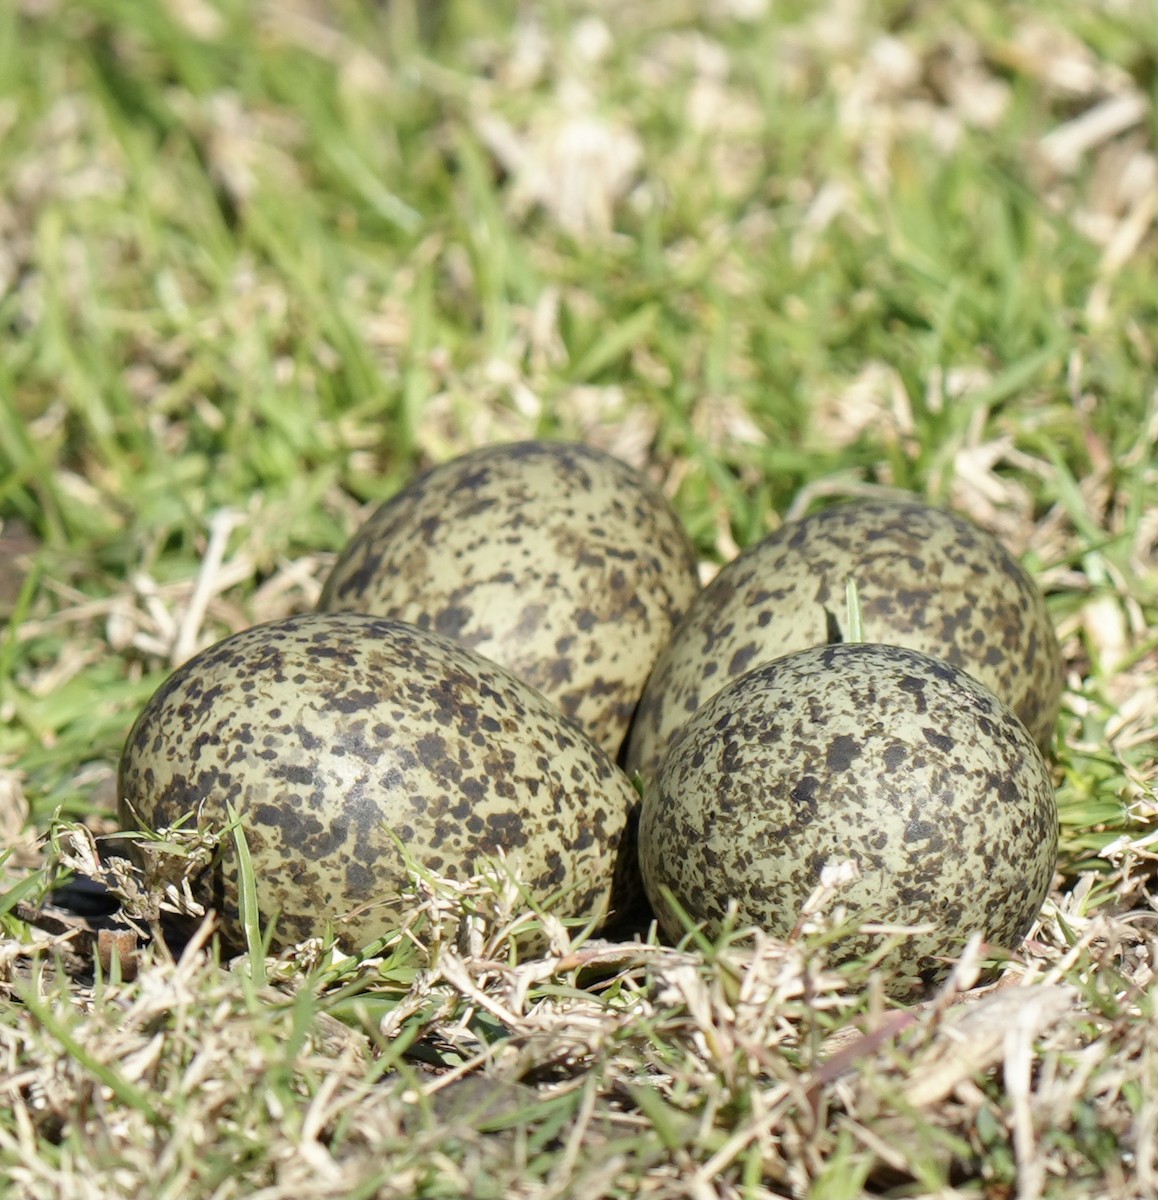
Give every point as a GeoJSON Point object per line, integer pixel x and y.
{"type": "Point", "coordinates": [926, 578]}
{"type": "Point", "coordinates": [330, 732]}
{"type": "Point", "coordinates": [876, 754]}
{"type": "Point", "coordinates": [553, 558]}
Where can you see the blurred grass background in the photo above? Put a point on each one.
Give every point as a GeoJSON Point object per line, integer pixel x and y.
{"type": "Point", "coordinates": [261, 261]}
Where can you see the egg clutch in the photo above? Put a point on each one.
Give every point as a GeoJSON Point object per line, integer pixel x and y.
{"type": "Point", "coordinates": [518, 634]}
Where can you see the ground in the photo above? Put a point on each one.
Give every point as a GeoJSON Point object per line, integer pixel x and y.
{"type": "Point", "coordinates": [261, 262]}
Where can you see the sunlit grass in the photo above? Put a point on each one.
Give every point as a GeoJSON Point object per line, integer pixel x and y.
{"type": "Point", "coordinates": [260, 263]}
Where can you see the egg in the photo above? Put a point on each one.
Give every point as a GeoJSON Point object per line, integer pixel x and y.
{"type": "Point", "coordinates": [338, 737]}
{"type": "Point", "coordinates": [876, 756]}
{"type": "Point", "coordinates": [554, 559]}
{"type": "Point", "coordinates": [926, 578]}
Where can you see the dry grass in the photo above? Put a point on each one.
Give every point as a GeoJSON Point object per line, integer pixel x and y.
{"type": "Point", "coordinates": [443, 1065]}
{"type": "Point", "coordinates": [771, 256]}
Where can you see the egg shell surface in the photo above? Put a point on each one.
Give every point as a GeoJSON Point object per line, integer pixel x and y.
{"type": "Point", "coordinates": [554, 559]}
{"type": "Point", "coordinates": [926, 578]}
{"type": "Point", "coordinates": [876, 755]}
{"type": "Point", "coordinates": [331, 733]}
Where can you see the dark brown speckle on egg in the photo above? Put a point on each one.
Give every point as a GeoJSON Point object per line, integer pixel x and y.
{"type": "Point", "coordinates": [926, 578]}
{"type": "Point", "coordinates": [333, 734]}
{"type": "Point", "coordinates": [873, 754]}
{"type": "Point", "coordinates": [553, 558]}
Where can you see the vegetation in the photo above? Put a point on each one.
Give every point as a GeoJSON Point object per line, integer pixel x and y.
{"type": "Point", "coordinates": [259, 262]}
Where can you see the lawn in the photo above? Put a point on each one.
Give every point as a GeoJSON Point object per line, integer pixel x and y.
{"type": "Point", "coordinates": [260, 262]}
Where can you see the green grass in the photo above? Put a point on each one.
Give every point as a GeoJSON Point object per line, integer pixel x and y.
{"type": "Point", "coordinates": [269, 260]}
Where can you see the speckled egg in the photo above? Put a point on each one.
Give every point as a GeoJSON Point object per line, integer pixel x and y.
{"type": "Point", "coordinates": [926, 578]}
{"type": "Point", "coordinates": [332, 734]}
{"type": "Point", "coordinates": [876, 755]}
{"type": "Point", "coordinates": [553, 558]}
